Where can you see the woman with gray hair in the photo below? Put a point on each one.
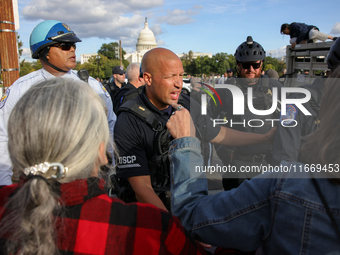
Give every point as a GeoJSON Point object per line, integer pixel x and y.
{"type": "Point", "coordinates": [58, 135]}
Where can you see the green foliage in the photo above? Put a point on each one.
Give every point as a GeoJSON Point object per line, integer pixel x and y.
{"type": "Point", "coordinates": [28, 67]}
{"type": "Point", "coordinates": [108, 50]}
{"type": "Point", "coordinates": [102, 67]}
{"type": "Point", "coordinates": [20, 44]}
{"type": "Point", "coordinates": [37, 65]}
{"type": "Point", "coordinates": [25, 68]}
{"type": "Point", "coordinates": [220, 62]}
{"type": "Point", "coordinates": [274, 63]}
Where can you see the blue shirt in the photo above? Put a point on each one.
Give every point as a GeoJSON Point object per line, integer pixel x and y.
{"type": "Point", "coordinates": [281, 213]}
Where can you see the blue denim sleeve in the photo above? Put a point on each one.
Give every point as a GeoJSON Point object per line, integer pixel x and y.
{"type": "Point", "coordinates": [240, 218]}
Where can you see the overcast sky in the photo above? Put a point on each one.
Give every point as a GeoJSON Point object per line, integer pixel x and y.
{"type": "Point", "coordinates": [180, 25]}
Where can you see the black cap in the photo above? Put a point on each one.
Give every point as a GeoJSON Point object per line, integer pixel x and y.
{"type": "Point", "coordinates": [229, 71]}
{"type": "Point", "coordinates": [118, 70]}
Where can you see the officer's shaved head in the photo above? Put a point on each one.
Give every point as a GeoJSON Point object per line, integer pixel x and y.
{"type": "Point", "coordinates": [156, 57]}
{"type": "Point", "coordinates": [163, 76]}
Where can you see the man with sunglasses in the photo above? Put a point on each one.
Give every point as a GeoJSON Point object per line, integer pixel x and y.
{"type": "Point", "coordinates": [54, 44]}
{"type": "Point", "coordinates": [141, 135]}
{"type": "Point", "coordinates": [116, 81]}
{"type": "Point", "coordinates": [135, 81]}
{"type": "Point", "coordinates": [231, 77]}
{"type": "Point", "coordinates": [249, 56]}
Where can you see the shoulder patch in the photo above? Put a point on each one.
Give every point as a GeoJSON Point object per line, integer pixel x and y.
{"type": "Point", "coordinates": [291, 112]}
{"type": "Point", "coordinates": [4, 98]}
{"type": "Point", "coordinates": [105, 91]}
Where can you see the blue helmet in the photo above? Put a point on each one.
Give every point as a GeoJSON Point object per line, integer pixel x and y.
{"type": "Point", "coordinates": [50, 32]}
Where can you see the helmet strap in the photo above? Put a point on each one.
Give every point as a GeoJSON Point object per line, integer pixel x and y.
{"type": "Point", "coordinates": [43, 56]}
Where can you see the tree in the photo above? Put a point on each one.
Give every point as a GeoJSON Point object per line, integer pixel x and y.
{"type": "Point", "coordinates": [268, 66]}
{"type": "Point", "coordinates": [37, 65]}
{"type": "Point", "coordinates": [20, 44]}
{"type": "Point", "coordinates": [221, 63]}
{"type": "Point", "coordinates": [217, 64]}
{"type": "Point", "coordinates": [104, 65]}
{"type": "Point", "coordinates": [108, 50]}
{"type": "Point", "coordinates": [274, 63]}
{"type": "Point", "coordinates": [25, 68]}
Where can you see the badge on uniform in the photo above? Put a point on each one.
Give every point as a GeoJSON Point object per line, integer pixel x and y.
{"type": "Point", "coordinates": [291, 112]}
{"type": "Point", "coordinates": [105, 91]}
{"type": "Point", "coordinates": [4, 98]}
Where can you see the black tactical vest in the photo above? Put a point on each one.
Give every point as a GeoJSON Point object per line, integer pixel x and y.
{"type": "Point", "coordinates": [262, 100]}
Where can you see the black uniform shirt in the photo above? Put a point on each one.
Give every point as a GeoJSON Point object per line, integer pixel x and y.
{"type": "Point", "coordinates": [226, 111]}
{"type": "Point", "coordinates": [135, 139]}
{"type": "Point", "coordinates": [287, 140]}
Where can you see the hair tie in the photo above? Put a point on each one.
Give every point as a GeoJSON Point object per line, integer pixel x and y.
{"type": "Point", "coordinates": [32, 177]}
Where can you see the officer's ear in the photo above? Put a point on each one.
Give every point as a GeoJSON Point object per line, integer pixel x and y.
{"type": "Point", "coordinates": [238, 67]}
{"type": "Point", "coordinates": [102, 154]}
{"type": "Point", "coordinates": [147, 78]}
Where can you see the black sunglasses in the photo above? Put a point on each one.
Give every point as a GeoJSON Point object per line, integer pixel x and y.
{"type": "Point", "coordinates": [65, 46]}
{"type": "Point", "coordinates": [254, 65]}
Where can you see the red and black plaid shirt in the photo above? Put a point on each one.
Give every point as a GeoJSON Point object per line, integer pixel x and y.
{"type": "Point", "coordinates": [94, 223]}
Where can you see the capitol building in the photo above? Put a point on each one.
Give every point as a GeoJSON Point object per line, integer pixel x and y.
{"type": "Point", "coordinates": [146, 41]}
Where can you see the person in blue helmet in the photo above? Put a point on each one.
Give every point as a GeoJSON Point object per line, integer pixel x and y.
{"type": "Point", "coordinates": [54, 44]}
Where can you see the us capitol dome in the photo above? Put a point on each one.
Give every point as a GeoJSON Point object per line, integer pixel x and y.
{"type": "Point", "coordinates": [146, 41]}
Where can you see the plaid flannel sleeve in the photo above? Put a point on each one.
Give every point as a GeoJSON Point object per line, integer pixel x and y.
{"type": "Point", "coordinates": [103, 225]}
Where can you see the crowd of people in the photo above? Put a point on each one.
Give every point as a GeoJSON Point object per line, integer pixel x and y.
{"type": "Point", "coordinates": [63, 134]}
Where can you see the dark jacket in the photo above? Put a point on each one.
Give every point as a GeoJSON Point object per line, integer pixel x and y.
{"type": "Point", "coordinates": [301, 31]}
{"type": "Point", "coordinates": [117, 100]}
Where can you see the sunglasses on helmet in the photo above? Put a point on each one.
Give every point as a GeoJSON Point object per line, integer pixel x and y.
{"type": "Point", "coordinates": [65, 46]}
{"type": "Point", "coordinates": [254, 65]}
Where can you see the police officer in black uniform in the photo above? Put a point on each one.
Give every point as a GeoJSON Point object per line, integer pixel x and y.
{"type": "Point", "coordinates": [115, 82]}
{"type": "Point", "coordinates": [288, 139]}
{"type": "Point", "coordinates": [249, 56]}
{"type": "Point", "coordinates": [141, 135]}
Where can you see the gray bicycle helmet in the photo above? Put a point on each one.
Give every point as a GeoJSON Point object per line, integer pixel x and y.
{"type": "Point", "coordinates": [333, 57]}
{"type": "Point", "coordinates": [250, 51]}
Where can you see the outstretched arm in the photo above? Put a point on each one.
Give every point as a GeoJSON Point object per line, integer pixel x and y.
{"type": "Point", "coordinates": [142, 187]}
{"type": "Point", "coordinates": [231, 137]}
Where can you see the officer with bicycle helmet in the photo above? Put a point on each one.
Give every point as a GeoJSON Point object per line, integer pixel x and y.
{"type": "Point", "coordinates": [249, 56]}
{"type": "Point", "coordinates": [54, 44]}
{"type": "Point", "coordinates": [287, 140]}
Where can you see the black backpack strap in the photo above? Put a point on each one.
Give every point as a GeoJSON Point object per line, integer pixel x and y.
{"type": "Point", "coordinates": [265, 84]}
{"type": "Point", "coordinates": [312, 102]}
{"type": "Point", "coordinates": [142, 113]}
{"type": "Point", "coordinates": [83, 75]}
{"type": "Point", "coordinates": [117, 100]}
{"type": "Point", "coordinates": [132, 94]}
{"type": "Point", "coordinates": [314, 105]}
